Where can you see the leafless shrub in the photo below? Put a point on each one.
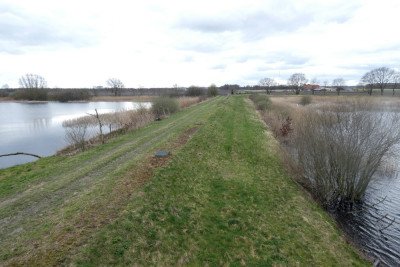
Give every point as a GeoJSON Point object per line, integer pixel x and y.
{"type": "Point", "coordinates": [339, 149]}
{"type": "Point", "coordinates": [99, 123]}
{"type": "Point", "coordinates": [277, 120]}
{"type": "Point", "coordinates": [78, 130]}
{"type": "Point", "coordinates": [76, 134]}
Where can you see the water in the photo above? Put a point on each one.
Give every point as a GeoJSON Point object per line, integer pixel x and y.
{"type": "Point", "coordinates": [37, 127]}
{"type": "Point", "coordinates": [374, 224]}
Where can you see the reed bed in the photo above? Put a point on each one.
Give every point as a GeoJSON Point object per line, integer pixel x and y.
{"type": "Point", "coordinates": [334, 146]}
{"type": "Point", "coordinates": [187, 101]}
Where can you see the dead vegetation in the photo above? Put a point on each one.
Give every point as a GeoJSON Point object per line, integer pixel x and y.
{"type": "Point", "coordinates": [81, 132]}
{"type": "Point", "coordinates": [335, 146]}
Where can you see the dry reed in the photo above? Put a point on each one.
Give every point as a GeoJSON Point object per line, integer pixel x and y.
{"type": "Point", "coordinates": [336, 144]}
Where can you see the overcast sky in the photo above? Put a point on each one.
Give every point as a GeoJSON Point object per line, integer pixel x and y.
{"type": "Point", "coordinates": [161, 43]}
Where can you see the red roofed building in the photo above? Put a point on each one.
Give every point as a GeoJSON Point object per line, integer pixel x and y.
{"type": "Point", "coordinates": [311, 87]}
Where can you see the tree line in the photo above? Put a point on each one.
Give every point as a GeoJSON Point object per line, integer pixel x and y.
{"type": "Point", "coordinates": [34, 87]}
{"type": "Point", "coordinates": [380, 78]}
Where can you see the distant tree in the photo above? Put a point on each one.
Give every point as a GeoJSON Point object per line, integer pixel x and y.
{"type": "Point", "coordinates": [115, 86]}
{"type": "Point", "coordinates": [5, 86]}
{"type": "Point", "coordinates": [325, 83]}
{"type": "Point", "coordinates": [212, 90]}
{"type": "Point", "coordinates": [368, 81]}
{"type": "Point", "coordinates": [395, 80]}
{"type": "Point", "coordinates": [314, 84]}
{"type": "Point", "coordinates": [32, 81]}
{"type": "Point", "coordinates": [379, 77]}
{"type": "Point", "coordinates": [297, 80]}
{"type": "Point", "coordinates": [314, 81]}
{"type": "Point", "coordinates": [267, 84]}
{"type": "Point", "coordinates": [383, 76]}
{"type": "Point", "coordinates": [195, 91]}
{"type": "Point", "coordinates": [339, 83]}
{"type": "Point", "coordinates": [231, 87]}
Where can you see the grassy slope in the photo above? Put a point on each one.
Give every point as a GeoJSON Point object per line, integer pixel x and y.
{"type": "Point", "coordinates": [223, 200]}
{"type": "Point", "coordinates": [49, 207]}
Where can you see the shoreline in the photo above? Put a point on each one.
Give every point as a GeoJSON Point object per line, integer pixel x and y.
{"type": "Point", "coordinates": [93, 99]}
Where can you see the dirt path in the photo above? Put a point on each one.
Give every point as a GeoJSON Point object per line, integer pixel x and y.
{"type": "Point", "coordinates": [26, 211]}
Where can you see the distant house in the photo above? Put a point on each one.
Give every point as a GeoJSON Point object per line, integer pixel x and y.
{"type": "Point", "coordinates": [309, 87]}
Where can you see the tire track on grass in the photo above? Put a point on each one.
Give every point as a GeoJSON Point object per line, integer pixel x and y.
{"type": "Point", "coordinates": [95, 162]}
{"type": "Point", "coordinates": [50, 200]}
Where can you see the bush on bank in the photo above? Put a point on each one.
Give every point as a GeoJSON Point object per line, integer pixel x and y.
{"type": "Point", "coordinates": [262, 102]}
{"type": "Point", "coordinates": [163, 106]}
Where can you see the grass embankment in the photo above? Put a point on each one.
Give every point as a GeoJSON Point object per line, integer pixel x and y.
{"type": "Point", "coordinates": [49, 207]}
{"type": "Point", "coordinates": [223, 199]}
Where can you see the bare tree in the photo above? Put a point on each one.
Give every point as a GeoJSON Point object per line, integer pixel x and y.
{"type": "Point", "coordinates": [368, 81]}
{"type": "Point", "coordinates": [76, 133]}
{"type": "Point", "coordinates": [297, 80]}
{"type": "Point", "coordinates": [267, 84]}
{"type": "Point", "coordinates": [314, 84]}
{"type": "Point", "coordinates": [339, 83]}
{"type": "Point", "coordinates": [100, 123]}
{"type": "Point", "coordinates": [115, 85]}
{"type": "Point", "coordinates": [395, 80]}
{"type": "Point", "coordinates": [380, 78]}
{"type": "Point", "coordinates": [32, 81]}
{"type": "Point", "coordinates": [325, 82]}
{"type": "Point", "coordinates": [314, 81]}
{"type": "Point", "coordinates": [383, 76]}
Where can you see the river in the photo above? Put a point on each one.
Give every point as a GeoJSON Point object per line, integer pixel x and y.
{"type": "Point", "coordinates": [36, 127]}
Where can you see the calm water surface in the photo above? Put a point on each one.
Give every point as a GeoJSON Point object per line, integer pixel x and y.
{"type": "Point", "coordinates": [37, 127]}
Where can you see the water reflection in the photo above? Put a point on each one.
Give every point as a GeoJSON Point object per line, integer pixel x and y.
{"type": "Point", "coordinates": [38, 123]}
{"type": "Point", "coordinates": [374, 224]}
{"type": "Point", "coordinates": [37, 127]}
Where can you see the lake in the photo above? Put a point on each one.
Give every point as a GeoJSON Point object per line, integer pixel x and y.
{"type": "Point", "coordinates": [36, 127]}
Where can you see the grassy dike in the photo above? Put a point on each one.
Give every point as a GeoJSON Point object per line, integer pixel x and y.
{"type": "Point", "coordinates": [51, 207]}
{"type": "Point", "coordinates": [224, 199]}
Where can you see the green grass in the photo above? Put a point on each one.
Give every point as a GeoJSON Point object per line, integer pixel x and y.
{"type": "Point", "coordinates": [63, 200]}
{"type": "Point", "coordinates": [223, 200]}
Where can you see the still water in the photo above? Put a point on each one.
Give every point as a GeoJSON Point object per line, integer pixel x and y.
{"type": "Point", "coordinates": [374, 224]}
{"type": "Point", "coordinates": [37, 127]}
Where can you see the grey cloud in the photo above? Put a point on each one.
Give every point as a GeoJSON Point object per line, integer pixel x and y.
{"type": "Point", "coordinates": [242, 59]}
{"type": "Point", "coordinates": [253, 26]}
{"type": "Point", "coordinates": [261, 23]}
{"type": "Point", "coordinates": [18, 31]}
{"type": "Point", "coordinates": [201, 46]}
{"type": "Point", "coordinates": [289, 60]}
{"type": "Point", "coordinates": [188, 59]}
{"type": "Point", "coordinates": [207, 24]}
{"type": "Point", "coordinates": [219, 67]}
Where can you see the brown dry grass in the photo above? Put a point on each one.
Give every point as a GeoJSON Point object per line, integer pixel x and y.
{"type": "Point", "coordinates": [6, 99]}
{"type": "Point", "coordinates": [144, 98]}
{"type": "Point", "coordinates": [187, 101]}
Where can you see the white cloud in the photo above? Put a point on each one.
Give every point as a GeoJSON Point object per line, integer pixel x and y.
{"type": "Point", "coordinates": [160, 43]}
